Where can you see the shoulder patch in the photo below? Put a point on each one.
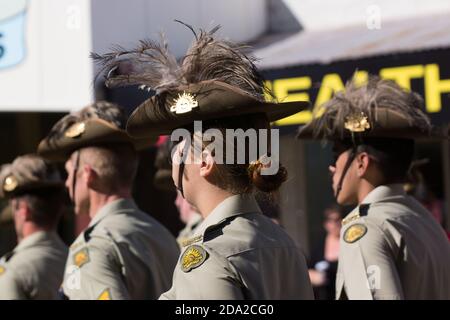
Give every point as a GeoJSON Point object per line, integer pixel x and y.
{"type": "Point", "coordinates": [81, 257]}
{"type": "Point", "coordinates": [105, 295]}
{"type": "Point", "coordinates": [354, 233]}
{"type": "Point", "coordinates": [193, 257]}
{"type": "Point", "coordinates": [2, 270]}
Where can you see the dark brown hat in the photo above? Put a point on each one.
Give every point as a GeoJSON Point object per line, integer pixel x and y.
{"type": "Point", "coordinates": [99, 124]}
{"type": "Point", "coordinates": [214, 80]}
{"type": "Point", "coordinates": [380, 109]}
{"type": "Point", "coordinates": [202, 101]}
{"type": "Point", "coordinates": [26, 174]}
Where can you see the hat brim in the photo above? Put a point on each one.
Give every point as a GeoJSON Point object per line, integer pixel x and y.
{"type": "Point", "coordinates": [389, 124]}
{"type": "Point", "coordinates": [96, 132]}
{"type": "Point", "coordinates": [32, 187]}
{"type": "Point", "coordinates": [215, 100]}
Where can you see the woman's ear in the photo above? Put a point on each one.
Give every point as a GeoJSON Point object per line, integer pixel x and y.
{"type": "Point", "coordinates": [207, 163]}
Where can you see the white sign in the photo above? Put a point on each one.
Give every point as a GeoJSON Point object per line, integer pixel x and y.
{"type": "Point", "coordinates": [44, 55]}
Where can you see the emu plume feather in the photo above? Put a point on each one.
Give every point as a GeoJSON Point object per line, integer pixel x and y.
{"type": "Point", "coordinates": [355, 99]}
{"type": "Point", "coordinates": [152, 66]}
{"type": "Point", "coordinates": [107, 111]}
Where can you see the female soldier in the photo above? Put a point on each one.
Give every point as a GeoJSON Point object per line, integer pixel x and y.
{"type": "Point", "coordinates": [237, 253]}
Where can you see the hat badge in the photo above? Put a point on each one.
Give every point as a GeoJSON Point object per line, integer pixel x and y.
{"type": "Point", "coordinates": [184, 103]}
{"type": "Point", "coordinates": [10, 183]}
{"type": "Point", "coordinates": [357, 122]}
{"type": "Point", "coordinates": [75, 130]}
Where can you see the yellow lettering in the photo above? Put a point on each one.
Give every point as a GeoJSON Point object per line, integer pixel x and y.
{"type": "Point", "coordinates": [282, 89]}
{"type": "Point", "coordinates": [434, 87]}
{"type": "Point", "coordinates": [332, 83]}
{"type": "Point", "coordinates": [269, 88]}
{"type": "Point", "coordinates": [402, 75]}
{"type": "Point", "coordinates": [361, 77]}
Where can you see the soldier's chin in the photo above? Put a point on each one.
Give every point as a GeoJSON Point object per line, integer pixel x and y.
{"type": "Point", "coordinates": [345, 200]}
{"type": "Point", "coordinates": [81, 210]}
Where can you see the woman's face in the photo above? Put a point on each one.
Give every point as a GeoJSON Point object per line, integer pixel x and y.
{"type": "Point", "coordinates": [347, 195]}
{"type": "Point", "coordinates": [183, 159]}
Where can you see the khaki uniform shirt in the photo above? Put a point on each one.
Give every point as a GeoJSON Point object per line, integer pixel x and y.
{"type": "Point", "coordinates": [188, 231]}
{"type": "Point", "coordinates": [238, 253]}
{"type": "Point", "coordinates": [123, 254]}
{"type": "Point", "coordinates": [34, 269]}
{"type": "Point", "coordinates": [392, 248]}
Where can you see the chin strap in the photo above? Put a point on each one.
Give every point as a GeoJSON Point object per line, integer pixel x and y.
{"type": "Point", "coordinates": [74, 174]}
{"type": "Point", "coordinates": [350, 159]}
{"type": "Point", "coordinates": [179, 186]}
{"type": "Point", "coordinates": [183, 157]}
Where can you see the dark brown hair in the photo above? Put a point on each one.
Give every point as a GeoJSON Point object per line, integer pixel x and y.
{"type": "Point", "coordinates": [393, 157]}
{"type": "Point", "coordinates": [243, 178]}
{"type": "Point", "coordinates": [46, 205]}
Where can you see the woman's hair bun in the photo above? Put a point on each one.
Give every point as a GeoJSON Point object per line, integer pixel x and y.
{"type": "Point", "coordinates": [269, 182]}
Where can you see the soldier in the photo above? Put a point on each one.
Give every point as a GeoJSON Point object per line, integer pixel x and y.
{"type": "Point", "coordinates": [123, 253]}
{"type": "Point", "coordinates": [390, 247]}
{"type": "Point", "coordinates": [163, 181]}
{"type": "Point", "coordinates": [237, 252]}
{"type": "Point", "coordinates": [35, 268]}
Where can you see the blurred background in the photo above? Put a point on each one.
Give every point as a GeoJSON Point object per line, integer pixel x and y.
{"type": "Point", "coordinates": [307, 50]}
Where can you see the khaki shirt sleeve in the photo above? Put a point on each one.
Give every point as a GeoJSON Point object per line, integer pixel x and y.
{"type": "Point", "coordinates": [368, 267]}
{"type": "Point", "coordinates": [213, 280]}
{"type": "Point", "coordinates": [11, 287]}
{"type": "Point", "coordinates": [100, 278]}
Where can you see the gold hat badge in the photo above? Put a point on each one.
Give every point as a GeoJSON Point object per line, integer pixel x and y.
{"type": "Point", "coordinates": [10, 183]}
{"type": "Point", "coordinates": [75, 130]}
{"type": "Point", "coordinates": [357, 122]}
{"type": "Point", "coordinates": [184, 103]}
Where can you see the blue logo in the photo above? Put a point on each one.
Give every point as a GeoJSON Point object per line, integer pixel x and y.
{"type": "Point", "coordinates": [12, 33]}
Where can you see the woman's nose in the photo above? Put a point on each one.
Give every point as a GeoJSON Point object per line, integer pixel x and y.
{"type": "Point", "coordinates": [332, 169]}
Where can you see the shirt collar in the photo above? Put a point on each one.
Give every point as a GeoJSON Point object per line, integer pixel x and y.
{"type": "Point", "coordinates": [382, 192]}
{"type": "Point", "coordinates": [113, 207]}
{"type": "Point", "coordinates": [35, 238]}
{"type": "Point", "coordinates": [230, 207]}
{"type": "Point", "coordinates": [194, 220]}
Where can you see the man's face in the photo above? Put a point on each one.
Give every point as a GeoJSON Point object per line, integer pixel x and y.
{"type": "Point", "coordinates": [19, 217]}
{"type": "Point", "coordinates": [184, 208]}
{"type": "Point", "coordinates": [81, 191]}
{"type": "Point", "coordinates": [348, 193]}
